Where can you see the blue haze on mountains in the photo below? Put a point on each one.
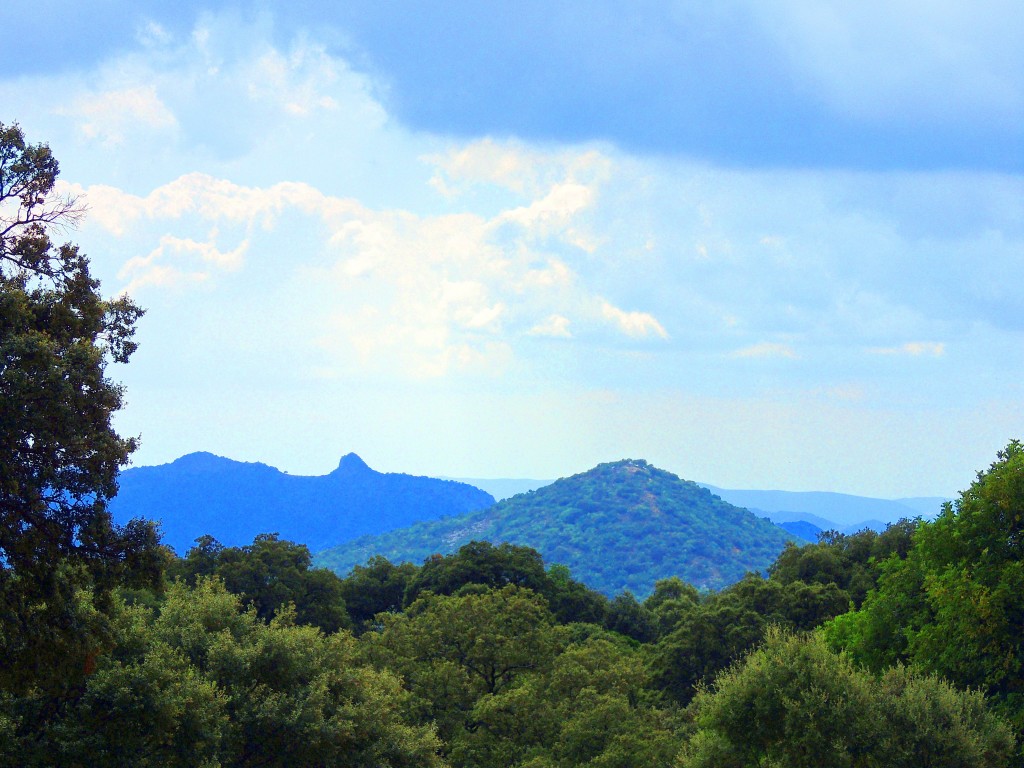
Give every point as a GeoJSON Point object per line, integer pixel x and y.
{"type": "Point", "coordinates": [233, 501]}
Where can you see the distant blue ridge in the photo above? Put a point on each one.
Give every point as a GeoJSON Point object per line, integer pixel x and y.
{"type": "Point", "coordinates": [233, 501]}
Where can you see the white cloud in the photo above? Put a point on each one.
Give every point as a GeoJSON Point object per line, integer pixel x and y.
{"type": "Point", "coordinates": [299, 84]}
{"type": "Point", "coordinates": [554, 273]}
{"type": "Point", "coordinates": [421, 294]}
{"type": "Point", "coordinates": [552, 212]}
{"type": "Point", "coordinates": [634, 324]}
{"type": "Point", "coordinates": [280, 225]}
{"type": "Point", "coordinates": [555, 326]}
{"type": "Point", "coordinates": [167, 264]}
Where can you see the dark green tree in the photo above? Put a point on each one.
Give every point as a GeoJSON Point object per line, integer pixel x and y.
{"type": "Point", "coordinates": [711, 634]}
{"type": "Point", "coordinates": [482, 563]}
{"type": "Point", "coordinates": [629, 617]}
{"type": "Point", "coordinates": [377, 587]}
{"type": "Point", "coordinates": [850, 562]}
{"type": "Point", "coordinates": [454, 652]}
{"type": "Point", "coordinates": [60, 552]}
{"type": "Point", "coordinates": [270, 574]}
{"type": "Point", "coordinates": [793, 702]}
{"type": "Point", "coordinates": [203, 682]}
{"type": "Point", "coordinates": [955, 605]}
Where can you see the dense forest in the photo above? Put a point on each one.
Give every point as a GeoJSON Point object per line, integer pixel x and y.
{"type": "Point", "coordinates": [619, 526]}
{"type": "Point", "coordinates": [900, 648]}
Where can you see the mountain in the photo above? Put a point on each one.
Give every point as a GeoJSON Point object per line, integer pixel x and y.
{"type": "Point", "coordinates": [801, 528]}
{"type": "Point", "coordinates": [618, 526]}
{"type": "Point", "coordinates": [234, 501]}
{"type": "Point", "coordinates": [849, 513]}
{"type": "Point", "coordinates": [840, 511]}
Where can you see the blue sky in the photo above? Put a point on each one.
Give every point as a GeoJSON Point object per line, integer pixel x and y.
{"type": "Point", "coordinates": [760, 245]}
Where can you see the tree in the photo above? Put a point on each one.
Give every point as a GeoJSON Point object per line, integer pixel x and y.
{"type": "Point", "coordinates": [60, 551]}
{"type": "Point", "coordinates": [629, 617]}
{"type": "Point", "coordinates": [270, 574]}
{"type": "Point", "coordinates": [203, 683]}
{"type": "Point", "coordinates": [377, 587]}
{"type": "Point", "coordinates": [708, 636]}
{"type": "Point", "coordinates": [850, 562]}
{"type": "Point", "coordinates": [479, 562]}
{"type": "Point", "coordinates": [793, 702]}
{"type": "Point", "coordinates": [962, 579]}
{"type": "Point", "coordinates": [457, 652]}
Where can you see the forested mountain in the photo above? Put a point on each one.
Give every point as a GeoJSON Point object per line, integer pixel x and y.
{"type": "Point", "coordinates": [802, 529]}
{"type": "Point", "coordinates": [233, 501]}
{"type": "Point", "coordinates": [621, 525]}
{"type": "Point", "coordinates": [826, 511]}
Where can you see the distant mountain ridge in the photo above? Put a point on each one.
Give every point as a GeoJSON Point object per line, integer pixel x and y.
{"type": "Point", "coordinates": [234, 501]}
{"type": "Point", "coordinates": [840, 511]}
{"type": "Point", "coordinates": [825, 510]}
{"type": "Point", "coordinates": [620, 525]}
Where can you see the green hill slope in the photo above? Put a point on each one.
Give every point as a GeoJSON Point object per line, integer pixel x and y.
{"type": "Point", "coordinates": [621, 525]}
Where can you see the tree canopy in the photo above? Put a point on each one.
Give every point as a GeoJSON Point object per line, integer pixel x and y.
{"type": "Point", "coordinates": [60, 552]}
{"type": "Point", "coordinates": [964, 579]}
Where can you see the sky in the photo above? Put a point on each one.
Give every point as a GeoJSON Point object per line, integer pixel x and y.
{"type": "Point", "coordinates": [761, 245]}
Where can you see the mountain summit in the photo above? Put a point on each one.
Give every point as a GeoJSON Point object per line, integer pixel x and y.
{"type": "Point", "coordinates": [351, 464]}
{"type": "Point", "coordinates": [617, 526]}
{"type": "Point", "coordinates": [233, 501]}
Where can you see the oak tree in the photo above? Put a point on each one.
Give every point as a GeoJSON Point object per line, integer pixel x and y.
{"type": "Point", "coordinates": [60, 551]}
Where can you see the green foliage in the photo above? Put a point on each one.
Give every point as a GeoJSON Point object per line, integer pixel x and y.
{"type": "Point", "coordinates": [377, 587]}
{"type": "Point", "coordinates": [795, 703]}
{"type": "Point", "coordinates": [270, 574]}
{"type": "Point", "coordinates": [710, 634]}
{"type": "Point", "coordinates": [202, 683]}
{"type": "Point", "coordinates": [505, 686]}
{"type": "Point", "coordinates": [963, 579]}
{"type": "Point", "coordinates": [670, 602]}
{"type": "Point", "coordinates": [479, 562]}
{"type": "Point", "coordinates": [60, 553]}
{"type": "Point", "coordinates": [596, 694]}
{"type": "Point", "coordinates": [451, 650]}
{"type": "Point", "coordinates": [482, 564]}
{"type": "Point", "coordinates": [851, 562]}
{"type": "Point", "coordinates": [619, 526]}
{"type": "Point", "coordinates": [629, 617]}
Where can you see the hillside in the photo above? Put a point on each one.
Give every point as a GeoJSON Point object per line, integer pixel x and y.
{"type": "Point", "coordinates": [823, 510]}
{"type": "Point", "coordinates": [618, 526]}
{"type": "Point", "coordinates": [234, 501]}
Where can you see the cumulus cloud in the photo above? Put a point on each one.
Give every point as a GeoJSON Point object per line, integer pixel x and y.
{"type": "Point", "coordinates": [279, 224]}
{"type": "Point", "coordinates": [442, 247]}
{"type": "Point", "coordinates": [178, 261]}
{"type": "Point", "coordinates": [426, 294]}
{"type": "Point", "coordinates": [635, 324]}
